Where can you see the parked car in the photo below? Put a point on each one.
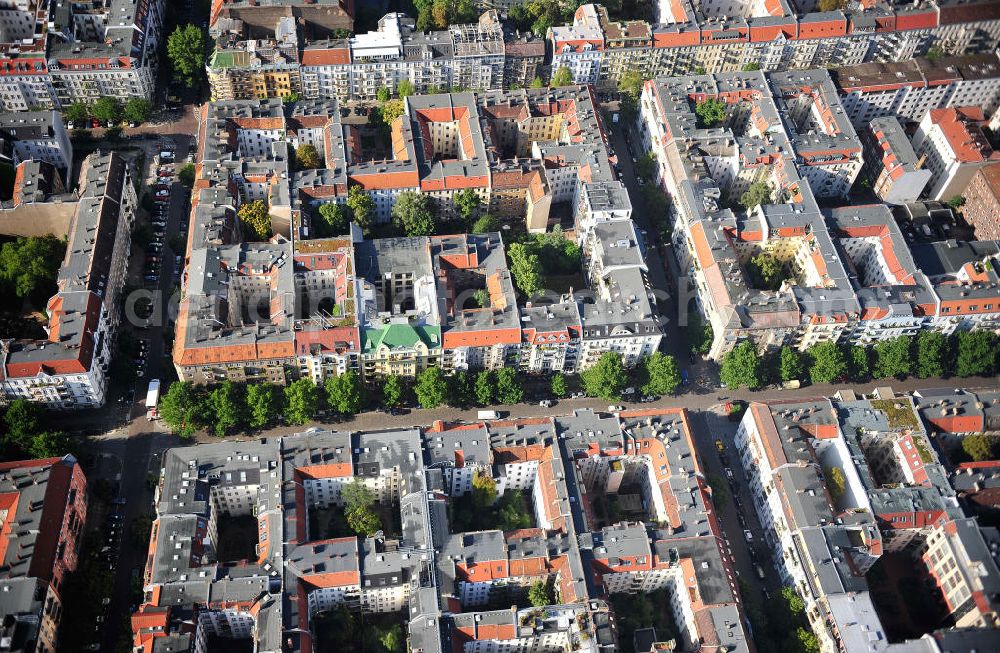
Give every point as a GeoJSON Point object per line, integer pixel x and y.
{"type": "Point", "coordinates": [545, 403]}
{"type": "Point", "coordinates": [748, 535]}
{"type": "Point", "coordinates": [719, 446]}
{"type": "Point", "coordinates": [614, 409]}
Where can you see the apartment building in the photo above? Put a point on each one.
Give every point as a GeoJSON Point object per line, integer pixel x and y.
{"type": "Point", "coordinates": [908, 89]}
{"type": "Point", "coordinates": [276, 594]}
{"type": "Point", "coordinates": [703, 37]}
{"type": "Point", "coordinates": [397, 306]}
{"type": "Point", "coordinates": [891, 496]}
{"type": "Point", "coordinates": [322, 17]}
{"type": "Point", "coordinates": [44, 508]}
{"type": "Point", "coordinates": [57, 53]}
{"type": "Point", "coordinates": [850, 274]}
{"type": "Point", "coordinates": [38, 136]}
{"type": "Point", "coordinates": [953, 143]}
{"type": "Point", "coordinates": [982, 202]}
{"type": "Point", "coordinates": [69, 369]}
{"type": "Point", "coordinates": [469, 56]}
{"type": "Point", "coordinates": [557, 628]}
{"type": "Point", "coordinates": [524, 60]}
{"type": "Point", "coordinates": [895, 172]}
{"type": "Point", "coordinates": [256, 68]}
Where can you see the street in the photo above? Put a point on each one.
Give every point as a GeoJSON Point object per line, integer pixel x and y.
{"type": "Point", "coordinates": [140, 445]}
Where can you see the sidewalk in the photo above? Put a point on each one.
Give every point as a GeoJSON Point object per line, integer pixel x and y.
{"type": "Point", "coordinates": [693, 401]}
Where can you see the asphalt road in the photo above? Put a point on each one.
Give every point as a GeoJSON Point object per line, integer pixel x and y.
{"type": "Point", "coordinates": [137, 446]}
{"type": "Point", "coordinates": [159, 349]}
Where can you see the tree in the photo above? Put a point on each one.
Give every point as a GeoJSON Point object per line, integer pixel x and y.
{"type": "Point", "coordinates": [790, 364]}
{"type": "Point", "coordinates": [383, 95]}
{"type": "Point", "coordinates": [659, 374]}
{"type": "Point", "coordinates": [460, 389]}
{"type": "Point", "coordinates": [439, 11]}
{"type": "Point", "coordinates": [182, 408]}
{"type": "Point", "coordinates": [484, 490]}
{"type": "Point", "coordinates": [224, 405]}
{"type": "Point", "coordinates": [935, 53]}
{"type": "Point", "coordinates": [828, 364]}
{"type": "Point", "coordinates": [107, 110]}
{"type": "Point", "coordinates": [255, 220]}
{"type": "Point", "coordinates": [956, 202]}
{"type": "Point", "coordinates": [805, 640]}
{"type": "Point", "coordinates": [362, 207]}
{"type": "Point", "coordinates": [391, 110]}
{"type": "Point", "coordinates": [858, 363]}
{"type": "Point", "coordinates": [607, 378]}
{"type": "Point", "coordinates": [23, 421]}
{"type": "Point", "coordinates": [977, 353]}
{"type": "Point", "coordinates": [699, 333]}
{"type": "Point", "coordinates": [631, 83]}
{"type": "Point", "coordinates": [793, 602]}
{"type": "Point", "coordinates": [562, 77]}
{"type": "Point", "coordinates": [509, 390]}
{"type": "Point", "coordinates": [137, 110]}
{"type": "Point", "coordinates": [481, 298]}
{"type": "Point", "coordinates": [720, 490]}
{"type": "Point", "coordinates": [262, 403]}
{"type": "Point", "coordinates": [431, 388]}
{"type": "Point", "coordinates": [77, 112]}
{"type": "Point", "coordinates": [333, 220]}
{"type": "Point", "coordinates": [467, 202]}
{"type": "Point", "coordinates": [393, 640]}
{"type": "Point", "coordinates": [186, 51]}
{"type": "Point", "coordinates": [933, 354]}
{"type": "Point", "coordinates": [832, 5]}
{"type": "Point", "coordinates": [363, 521]}
{"type": "Point", "coordinates": [537, 82]}
{"type": "Point", "coordinates": [485, 388]}
{"type": "Point", "coordinates": [525, 268]}
{"type": "Point", "coordinates": [357, 495]}
{"type": "Point", "coordinates": [751, 67]}
{"type": "Point", "coordinates": [980, 446]}
{"type": "Point", "coordinates": [836, 482]}
{"type": "Point", "coordinates": [511, 512]}
{"type": "Point", "coordinates": [50, 444]}
{"type": "Point", "coordinates": [139, 531]}
{"type": "Point", "coordinates": [392, 391]}
{"type": "Point", "coordinates": [307, 157]}
{"type": "Point", "coordinates": [742, 367]}
{"type": "Point", "coordinates": [540, 595]}
{"type": "Point", "coordinates": [405, 88]}
{"type": "Point", "coordinates": [485, 224]}
{"type": "Point", "coordinates": [893, 358]}
{"type": "Point", "coordinates": [344, 393]}
{"type": "Point", "coordinates": [758, 193]}
{"type": "Point", "coordinates": [186, 175]}
{"type": "Point", "coordinates": [645, 166]}
{"type": "Point", "coordinates": [710, 112]}
{"type": "Point", "coordinates": [413, 213]}
{"type": "Point", "coordinates": [29, 264]}
{"type": "Point", "coordinates": [559, 388]}
{"type": "Point", "coordinates": [766, 271]}
{"type": "Point", "coordinates": [301, 401]}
